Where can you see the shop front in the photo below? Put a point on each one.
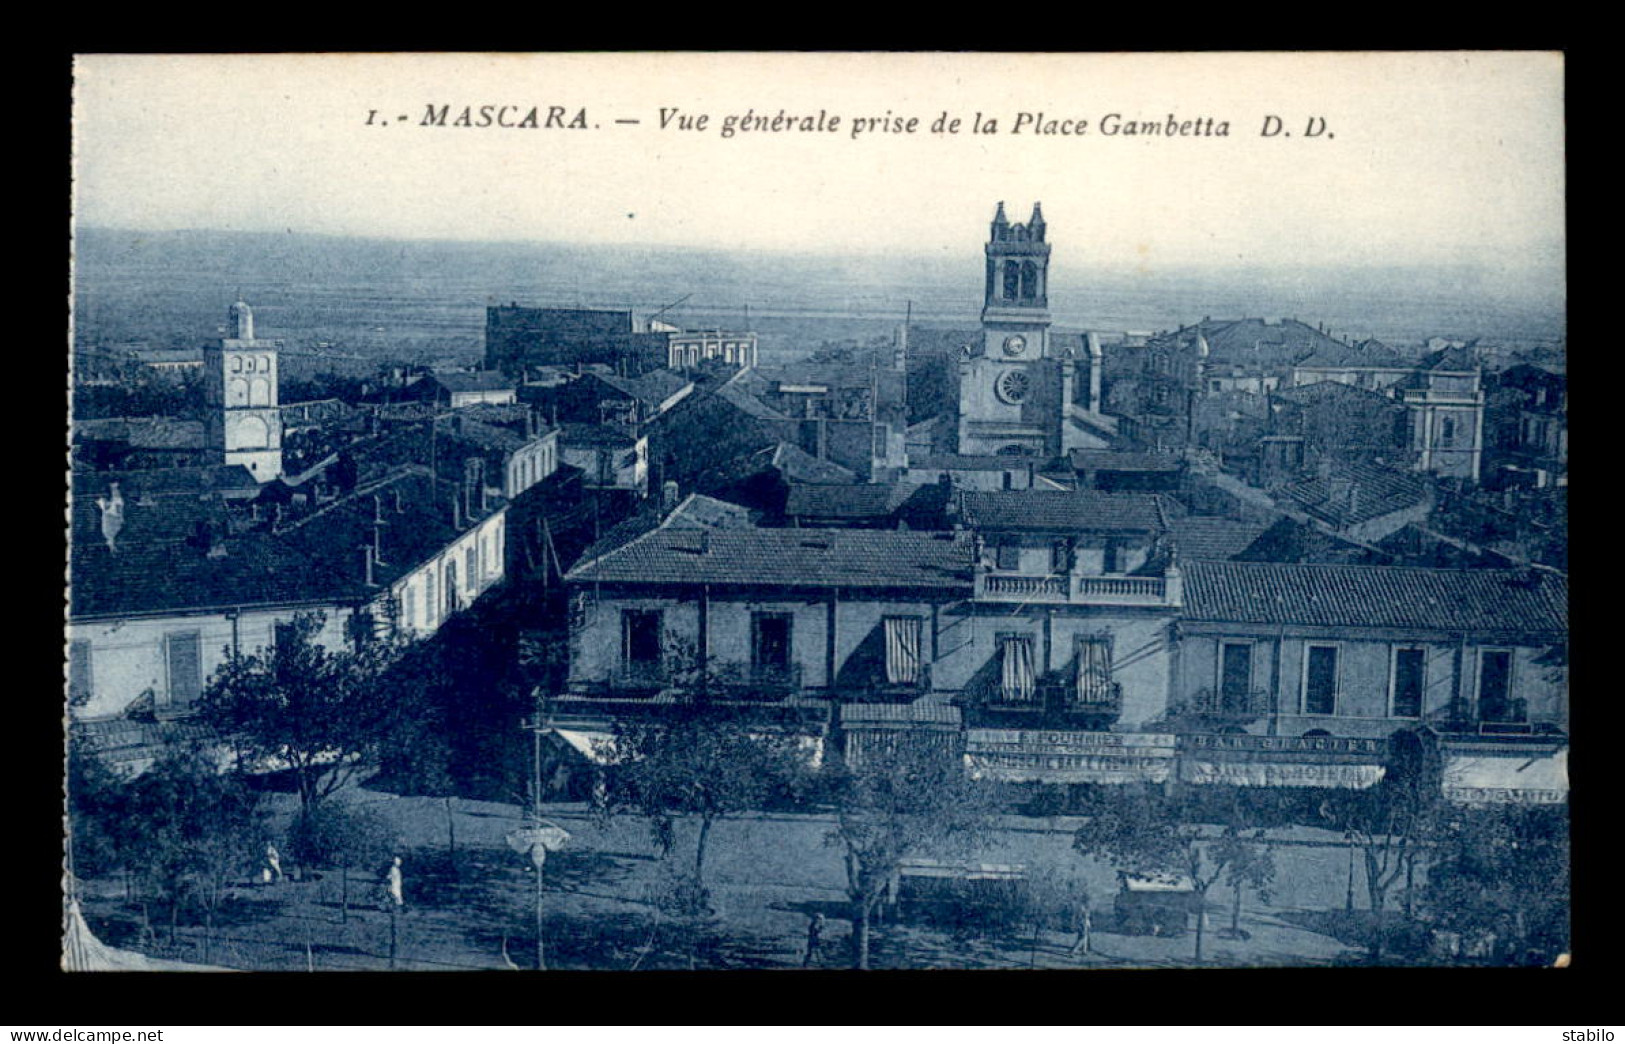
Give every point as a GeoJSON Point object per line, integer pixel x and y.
{"type": "Point", "coordinates": [1052, 756]}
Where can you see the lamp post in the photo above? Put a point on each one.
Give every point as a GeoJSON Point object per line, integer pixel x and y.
{"type": "Point", "coordinates": [1348, 901]}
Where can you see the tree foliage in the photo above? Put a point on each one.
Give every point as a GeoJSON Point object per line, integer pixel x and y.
{"type": "Point", "coordinates": [193, 830]}
{"type": "Point", "coordinates": [1139, 834]}
{"type": "Point", "coordinates": [697, 764]}
{"type": "Point", "coordinates": [911, 802]}
{"type": "Point", "coordinates": [321, 714]}
{"type": "Point", "coordinates": [1393, 823]}
{"type": "Point", "coordinates": [1500, 883]}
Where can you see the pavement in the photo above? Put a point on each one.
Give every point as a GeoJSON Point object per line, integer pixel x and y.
{"type": "Point", "coordinates": [766, 872]}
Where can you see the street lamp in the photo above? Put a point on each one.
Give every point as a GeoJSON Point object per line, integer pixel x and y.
{"type": "Point", "coordinates": [1348, 901]}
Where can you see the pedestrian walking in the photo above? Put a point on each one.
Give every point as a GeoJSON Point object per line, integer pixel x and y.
{"type": "Point", "coordinates": [1083, 922]}
{"type": "Point", "coordinates": [273, 865]}
{"type": "Point", "coordinates": [815, 934]}
{"type": "Point", "coordinates": [394, 886]}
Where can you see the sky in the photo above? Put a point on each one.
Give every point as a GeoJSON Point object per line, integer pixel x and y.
{"type": "Point", "coordinates": [1435, 158]}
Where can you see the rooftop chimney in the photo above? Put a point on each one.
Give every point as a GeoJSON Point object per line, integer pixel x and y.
{"type": "Point", "coordinates": [668, 496]}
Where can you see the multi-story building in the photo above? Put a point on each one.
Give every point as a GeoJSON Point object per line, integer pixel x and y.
{"type": "Point", "coordinates": [688, 348]}
{"type": "Point", "coordinates": [167, 580]}
{"type": "Point", "coordinates": [1442, 394]}
{"type": "Point", "coordinates": [517, 338]}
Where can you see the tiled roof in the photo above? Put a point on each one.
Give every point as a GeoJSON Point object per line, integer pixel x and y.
{"type": "Point", "coordinates": [163, 561]}
{"type": "Point", "coordinates": [1326, 392]}
{"type": "Point", "coordinates": [859, 500]}
{"type": "Point", "coordinates": [1456, 360]}
{"type": "Point", "coordinates": [226, 479]}
{"type": "Point", "coordinates": [1060, 510]}
{"type": "Point", "coordinates": [856, 558]}
{"type": "Point", "coordinates": [1473, 600]}
{"type": "Point", "coordinates": [1122, 460]}
{"type": "Point", "coordinates": [142, 432]}
{"type": "Point", "coordinates": [1364, 354]}
{"type": "Point", "coordinates": [981, 462]}
{"type": "Point", "coordinates": [480, 381]}
{"type": "Point", "coordinates": [1350, 493]}
{"type": "Point", "coordinates": [1202, 538]}
{"type": "Point", "coordinates": [797, 465]}
{"type": "Point", "coordinates": [594, 435]}
{"type": "Point", "coordinates": [1254, 340]}
{"type": "Point", "coordinates": [697, 511]}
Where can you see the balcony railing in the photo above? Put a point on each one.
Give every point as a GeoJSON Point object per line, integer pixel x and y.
{"type": "Point", "coordinates": [1061, 699]}
{"type": "Point", "coordinates": [1077, 590]}
{"type": "Point", "coordinates": [640, 676]}
{"type": "Point", "coordinates": [757, 680]}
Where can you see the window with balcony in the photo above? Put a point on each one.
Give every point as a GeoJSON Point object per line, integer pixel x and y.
{"type": "Point", "coordinates": [903, 650]}
{"type": "Point", "coordinates": [1018, 681]}
{"type": "Point", "coordinates": [1007, 556]}
{"type": "Point", "coordinates": [1495, 702]}
{"type": "Point", "coordinates": [1094, 670]}
{"type": "Point", "coordinates": [1320, 679]}
{"type": "Point", "coordinates": [1409, 683]}
{"type": "Point", "coordinates": [183, 662]}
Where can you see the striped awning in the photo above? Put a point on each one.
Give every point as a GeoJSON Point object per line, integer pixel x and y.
{"type": "Point", "coordinates": [902, 650]}
{"type": "Point", "coordinates": [1094, 670]}
{"type": "Point", "coordinates": [1018, 681]}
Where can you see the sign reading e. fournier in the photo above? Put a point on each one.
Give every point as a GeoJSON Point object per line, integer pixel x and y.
{"type": "Point", "coordinates": [1045, 756]}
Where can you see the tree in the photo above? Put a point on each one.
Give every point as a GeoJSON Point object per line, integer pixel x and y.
{"type": "Point", "coordinates": [1142, 835]}
{"type": "Point", "coordinates": [1500, 882]}
{"type": "Point", "coordinates": [911, 800]}
{"type": "Point", "coordinates": [1249, 863]}
{"type": "Point", "coordinates": [322, 714]}
{"type": "Point", "coordinates": [333, 835]}
{"type": "Point", "coordinates": [97, 820]}
{"type": "Point", "coordinates": [193, 830]}
{"type": "Point", "coordinates": [698, 764]}
{"type": "Point", "coordinates": [1394, 822]}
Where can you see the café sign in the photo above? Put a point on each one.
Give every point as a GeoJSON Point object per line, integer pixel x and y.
{"type": "Point", "coordinates": [1281, 761]}
{"type": "Point", "coordinates": [1052, 756]}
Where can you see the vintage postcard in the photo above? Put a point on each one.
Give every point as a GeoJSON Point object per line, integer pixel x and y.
{"type": "Point", "coordinates": [856, 510]}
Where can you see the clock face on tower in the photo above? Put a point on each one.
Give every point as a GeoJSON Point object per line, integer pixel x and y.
{"type": "Point", "coordinates": [1015, 344]}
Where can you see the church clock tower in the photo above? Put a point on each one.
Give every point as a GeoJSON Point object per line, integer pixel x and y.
{"type": "Point", "coordinates": [1013, 391]}
{"type": "Point", "coordinates": [242, 422]}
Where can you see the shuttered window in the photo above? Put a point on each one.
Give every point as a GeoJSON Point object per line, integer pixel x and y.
{"type": "Point", "coordinates": [79, 677]}
{"type": "Point", "coordinates": [1094, 670]}
{"type": "Point", "coordinates": [183, 653]}
{"type": "Point", "coordinates": [1018, 683]}
{"type": "Point", "coordinates": [902, 650]}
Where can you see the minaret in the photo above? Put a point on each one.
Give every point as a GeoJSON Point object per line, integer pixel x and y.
{"type": "Point", "coordinates": [242, 422]}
